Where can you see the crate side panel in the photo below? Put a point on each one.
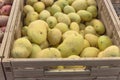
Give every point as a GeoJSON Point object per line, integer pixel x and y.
{"type": "Point", "coordinates": [2, 75]}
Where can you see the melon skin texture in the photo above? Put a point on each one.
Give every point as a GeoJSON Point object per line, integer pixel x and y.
{"type": "Point", "coordinates": [37, 31]}
{"type": "Point", "coordinates": [104, 42]}
{"type": "Point", "coordinates": [111, 51]}
{"type": "Point", "coordinates": [85, 15]}
{"type": "Point", "coordinates": [72, 45]}
{"type": "Point", "coordinates": [80, 5]}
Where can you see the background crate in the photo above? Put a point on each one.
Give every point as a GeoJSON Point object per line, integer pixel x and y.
{"type": "Point", "coordinates": [11, 16]}
{"type": "Point", "coordinates": [115, 10]}
{"type": "Point", "coordinates": [116, 5]}
{"type": "Point", "coordinates": [5, 37]}
{"type": "Point", "coordinates": [37, 69]}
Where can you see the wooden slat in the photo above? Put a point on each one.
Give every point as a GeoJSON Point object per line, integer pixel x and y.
{"type": "Point", "coordinates": [28, 73]}
{"type": "Point", "coordinates": [16, 16]}
{"type": "Point", "coordinates": [56, 62]}
{"type": "Point", "coordinates": [115, 1]}
{"type": "Point", "coordinates": [8, 70]}
{"type": "Point", "coordinates": [68, 78]}
{"type": "Point", "coordinates": [7, 28]}
{"type": "Point", "coordinates": [107, 78]}
{"type": "Point", "coordinates": [105, 71]}
{"type": "Point", "coordinates": [18, 26]}
{"type": "Point", "coordinates": [58, 78]}
{"type": "Point", "coordinates": [26, 79]}
{"type": "Point", "coordinates": [113, 16]}
{"type": "Point", "coordinates": [113, 12]}
{"type": "Point", "coordinates": [119, 76]}
{"type": "Point", "coordinates": [110, 14]}
{"type": "Point", "coordinates": [77, 78]}
{"type": "Point", "coordinates": [67, 72]}
{"type": "Point", "coordinates": [2, 76]}
{"type": "Point", "coordinates": [9, 43]}
{"type": "Point", "coordinates": [2, 47]}
{"type": "Point", "coordinates": [117, 8]}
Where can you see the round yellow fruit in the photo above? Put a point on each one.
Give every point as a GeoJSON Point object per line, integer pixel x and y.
{"type": "Point", "coordinates": [39, 6]}
{"type": "Point", "coordinates": [90, 52]}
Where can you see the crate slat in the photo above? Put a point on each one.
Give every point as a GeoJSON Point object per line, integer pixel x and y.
{"type": "Point", "coordinates": [67, 72]}
{"type": "Point", "coordinates": [107, 78]}
{"type": "Point", "coordinates": [8, 70]}
{"type": "Point", "coordinates": [28, 73]}
{"type": "Point", "coordinates": [105, 71]}
{"type": "Point", "coordinates": [2, 76]}
{"type": "Point", "coordinates": [114, 8]}
{"type": "Point", "coordinates": [56, 62]}
{"type": "Point", "coordinates": [58, 78]}
{"type": "Point", "coordinates": [77, 78]}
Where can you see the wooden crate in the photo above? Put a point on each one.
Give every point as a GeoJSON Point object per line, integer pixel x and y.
{"type": "Point", "coordinates": [5, 38]}
{"type": "Point", "coordinates": [115, 9]}
{"type": "Point", "coordinates": [37, 69]}
{"type": "Point", "coordinates": [11, 16]}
